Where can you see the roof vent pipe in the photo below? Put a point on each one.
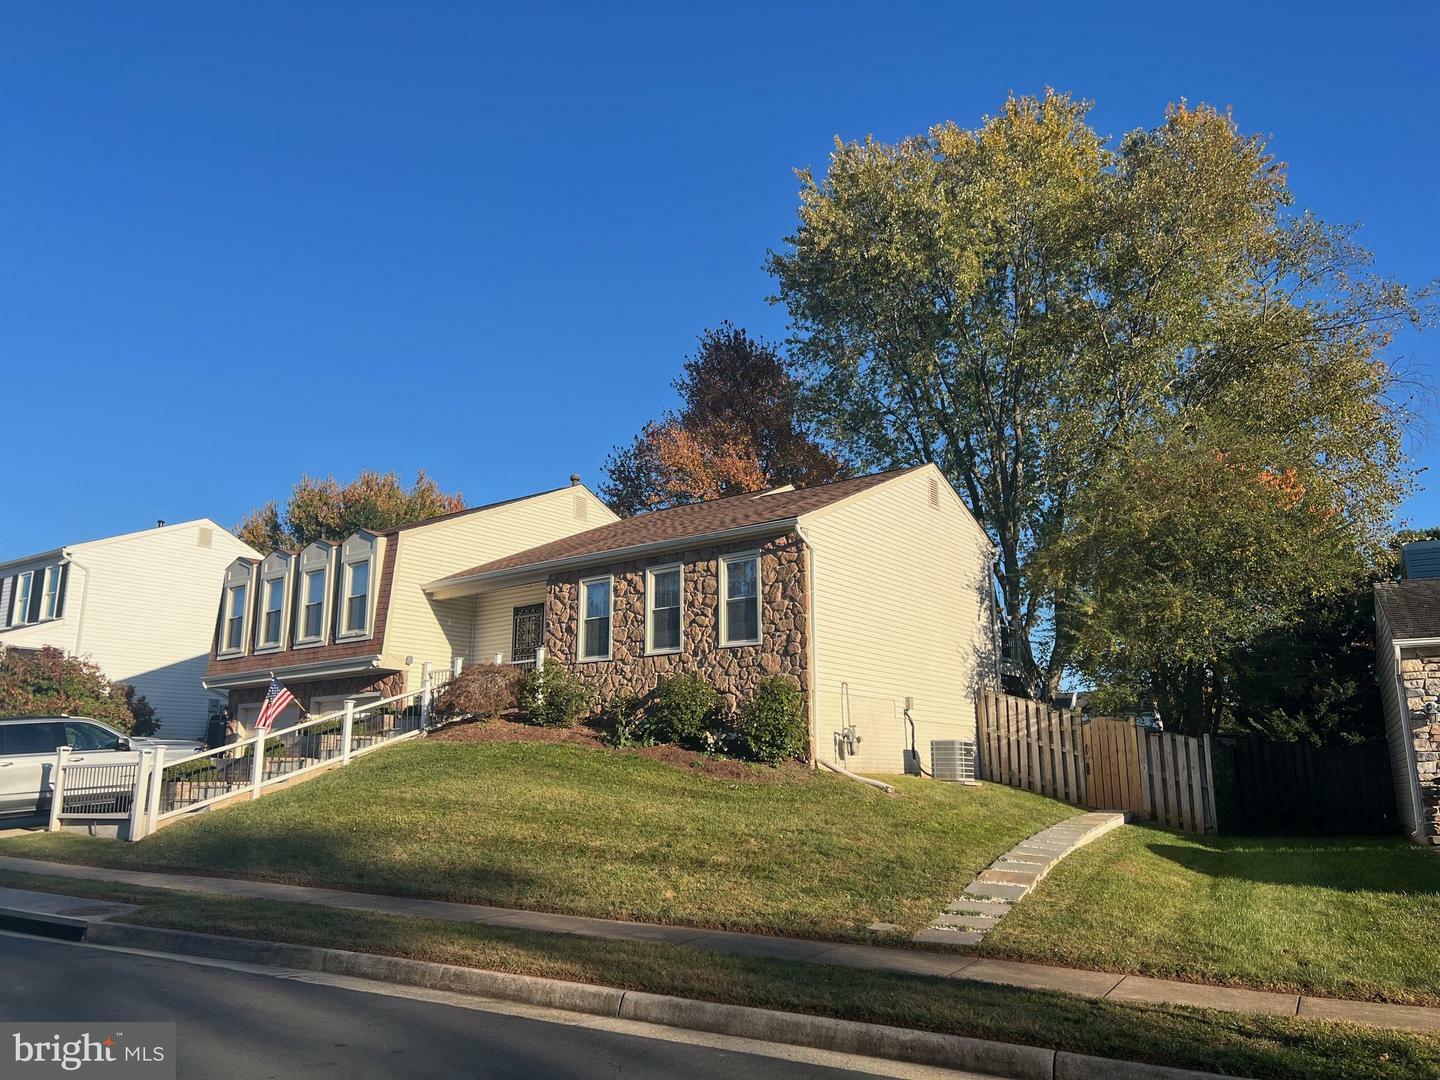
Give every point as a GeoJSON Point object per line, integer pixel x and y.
{"type": "Point", "coordinates": [574, 479]}
{"type": "Point", "coordinates": [159, 523]}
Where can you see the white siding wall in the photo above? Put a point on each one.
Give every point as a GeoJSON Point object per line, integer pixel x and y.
{"type": "Point", "coordinates": [440, 630]}
{"type": "Point", "coordinates": [901, 610]}
{"type": "Point", "coordinates": [143, 607]}
{"type": "Point", "coordinates": [494, 618]}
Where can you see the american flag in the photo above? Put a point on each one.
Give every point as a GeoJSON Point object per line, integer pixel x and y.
{"type": "Point", "coordinates": [277, 700]}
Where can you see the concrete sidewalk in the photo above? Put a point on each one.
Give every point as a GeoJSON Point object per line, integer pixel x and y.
{"type": "Point", "coordinates": [1130, 989]}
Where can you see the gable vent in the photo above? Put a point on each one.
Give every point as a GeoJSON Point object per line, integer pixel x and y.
{"type": "Point", "coordinates": [935, 493]}
{"type": "Point", "coordinates": [582, 508]}
{"type": "Point", "coordinates": [204, 537]}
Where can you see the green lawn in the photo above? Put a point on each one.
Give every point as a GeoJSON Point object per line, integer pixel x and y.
{"type": "Point", "coordinates": [596, 832]}
{"type": "Point", "coordinates": [1267, 1048]}
{"type": "Point", "coordinates": [1348, 917]}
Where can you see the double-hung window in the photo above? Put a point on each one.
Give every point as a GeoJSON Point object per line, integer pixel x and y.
{"type": "Point", "coordinates": [663, 587]}
{"type": "Point", "coordinates": [312, 616]}
{"type": "Point", "coordinates": [24, 586]}
{"type": "Point", "coordinates": [357, 584]}
{"type": "Point", "coordinates": [235, 618]}
{"type": "Point", "coordinates": [740, 600]}
{"type": "Point", "coordinates": [357, 596]}
{"type": "Point", "coordinates": [270, 620]}
{"type": "Point", "coordinates": [595, 602]}
{"type": "Point", "coordinates": [50, 599]}
{"type": "Point", "coordinates": [315, 593]}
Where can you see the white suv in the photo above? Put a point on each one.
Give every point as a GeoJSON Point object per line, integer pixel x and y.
{"type": "Point", "coordinates": [27, 755]}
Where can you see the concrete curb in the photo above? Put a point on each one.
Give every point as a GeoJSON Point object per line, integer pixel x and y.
{"type": "Point", "coordinates": [799, 1029]}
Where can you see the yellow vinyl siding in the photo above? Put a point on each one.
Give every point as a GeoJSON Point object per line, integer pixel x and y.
{"type": "Point", "coordinates": [494, 618]}
{"type": "Point", "coordinates": [901, 610]}
{"type": "Point", "coordinates": [438, 630]}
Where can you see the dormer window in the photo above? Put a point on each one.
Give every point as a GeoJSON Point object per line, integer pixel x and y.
{"type": "Point", "coordinates": [357, 579]}
{"type": "Point", "coordinates": [274, 600]}
{"type": "Point", "coordinates": [314, 594]}
{"type": "Point", "coordinates": [235, 618]}
{"type": "Point", "coordinates": [235, 608]}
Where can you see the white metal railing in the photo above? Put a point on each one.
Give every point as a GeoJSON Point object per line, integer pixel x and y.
{"type": "Point", "coordinates": [153, 790]}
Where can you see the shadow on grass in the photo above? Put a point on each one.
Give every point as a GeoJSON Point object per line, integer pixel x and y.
{"type": "Point", "coordinates": [1341, 864]}
{"type": "Point", "coordinates": [332, 857]}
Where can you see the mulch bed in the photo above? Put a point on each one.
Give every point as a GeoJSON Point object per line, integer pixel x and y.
{"type": "Point", "coordinates": [721, 768]}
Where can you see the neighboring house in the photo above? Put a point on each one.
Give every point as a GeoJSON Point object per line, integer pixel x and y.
{"type": "Point", "coordinates": [141, 606]}
{"type": "Point", "coordinates": [349, 618]}
{"type": "Point", "coordinates": [874, 594]}
{"type": "Point", "coordinates": [1407, 662]}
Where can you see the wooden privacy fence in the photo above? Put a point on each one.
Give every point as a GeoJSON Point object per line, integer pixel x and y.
{"type": "Point", "coordinates": [1268, 786]}
{"type": "Point", "coordinates": [1102, 763]}
{"type": "Point", "coordinates": [1026, 744]}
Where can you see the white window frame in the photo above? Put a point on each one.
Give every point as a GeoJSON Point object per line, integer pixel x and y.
{"type": "Point", "coordinates": [20, 613]}
{"type": "Point", "coordinates": [318, 558]}
{"type": "Point", "coordinates": [582, 595]}
{"type": "Point", "coordinates": [726, 642]}
{"type": "Point", "coordinates": [348, 562]}
{"type": "Point", "coordinates": [242, 588]}
{"type": "Point", "coordinates": [50, 592]}
{"type": "Point", "coordinates": [240, 574]}
{"type": "Point", "coordinates": [275, 570]}
{"type": "Point", "coordinates": [650, 572]}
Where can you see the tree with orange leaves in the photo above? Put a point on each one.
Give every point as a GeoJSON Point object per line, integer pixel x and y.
{"type": "Point", "coordinates": [737, 430]}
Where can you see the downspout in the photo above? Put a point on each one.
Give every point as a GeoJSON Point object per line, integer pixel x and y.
{"type": "Point", "coordinates": [84, 599]}
{"type": "Point", "coordinates": [856, 776]}
{"type": "Point", "coordinates": [1412, 769]}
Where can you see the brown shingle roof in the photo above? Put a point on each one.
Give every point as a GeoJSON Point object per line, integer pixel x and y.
{"type": "Point", "coordinates": [1412, 608]}
{"type": "Point", "coordinates": [679, 523]}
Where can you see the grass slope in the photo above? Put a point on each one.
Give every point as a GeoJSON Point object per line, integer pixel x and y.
{"type": "Point", "coordinates": [1345, 917]}
{"type": "Point", "coordinates": [1267, 1048]}
{"type": "Point", "coordinates": [596, 832]}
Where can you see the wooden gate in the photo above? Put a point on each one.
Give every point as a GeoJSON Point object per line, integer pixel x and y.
{"type": "Point", "coordinates": [1102, 763]}
{"type": "Point", "coordinates": [1112, 765]}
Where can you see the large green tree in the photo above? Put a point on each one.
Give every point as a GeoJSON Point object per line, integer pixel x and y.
{"type": "Point", "coordinates": [1043, 311]}
{"type": "Point", "coordinates": [326, 509]}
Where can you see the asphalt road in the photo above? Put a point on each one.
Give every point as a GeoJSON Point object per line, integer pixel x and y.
{"type": "Point", "coordinates": [240, 1024]}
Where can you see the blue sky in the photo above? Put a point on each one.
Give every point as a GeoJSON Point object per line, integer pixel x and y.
{"type": "Point", "coordinates": [242, 242]}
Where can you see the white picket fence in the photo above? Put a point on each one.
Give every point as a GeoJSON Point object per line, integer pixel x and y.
{"type": "Point", "coordinates": [146, 795]}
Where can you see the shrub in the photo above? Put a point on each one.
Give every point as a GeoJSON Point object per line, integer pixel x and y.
{"type": "Point", "coordinates": [683, 709]}
{"type": "Point", "coordinates": [48, 682]}
{"type": "Point", "coordinates": [772, 722]}
{"type": "Point", "coordinates": [143, 721]}
{"type": "Point", "coordinates": [483, 690]}
{"type": "Point", "coordinates": [622, 718]}
{"type": "Point", "coordinates": [552, 697]}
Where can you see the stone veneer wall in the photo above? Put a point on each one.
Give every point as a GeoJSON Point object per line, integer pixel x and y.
{"type": "Point", "coordinates": [1422, 685]}
{"type": "Point", "coordinates": [734, 671]}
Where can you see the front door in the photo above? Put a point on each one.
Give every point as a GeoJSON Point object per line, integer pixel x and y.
{"type": "Point", "coordinates": [527, 632]}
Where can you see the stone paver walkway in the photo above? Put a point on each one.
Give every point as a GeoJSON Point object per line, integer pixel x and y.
{"type": "Point", "coordinates": [967, 919]}
{"type": "Point", "coordinates": [1134, 989]}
